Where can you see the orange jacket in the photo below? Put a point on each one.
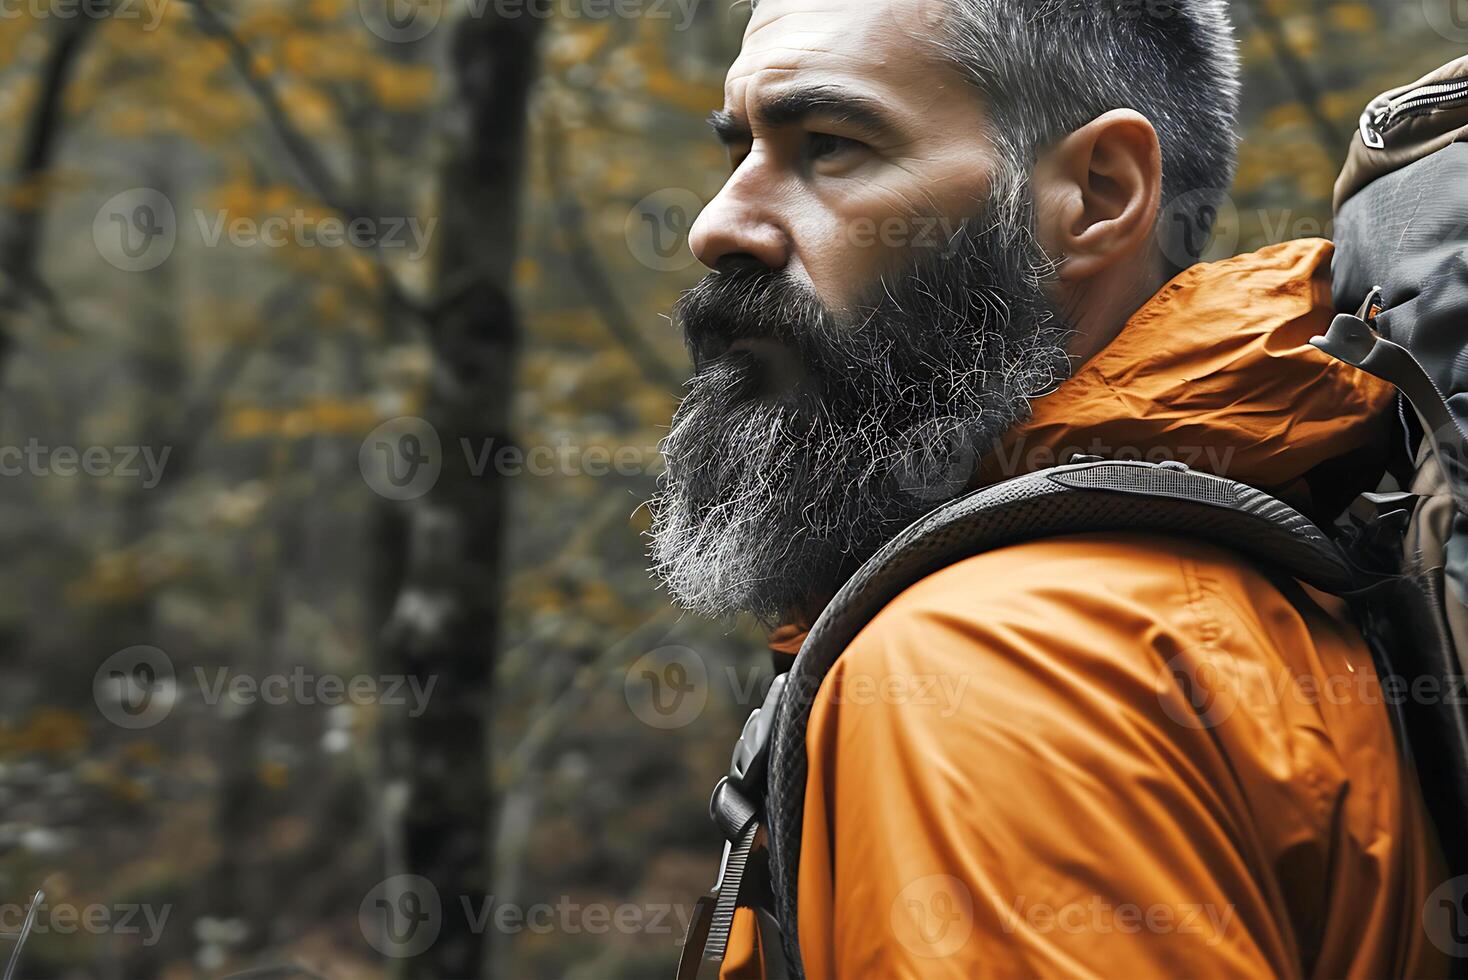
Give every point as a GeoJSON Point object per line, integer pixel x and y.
{"type": "Point", "coordinates": [1128, 754]}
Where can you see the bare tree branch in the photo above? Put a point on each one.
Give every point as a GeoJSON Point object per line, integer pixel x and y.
{"type": "Point", "coordinates": [318, 176]}
{"type": "Point", "coordinates": [312, 167]}
{"type": "Point", "coordinates": [1298, 75]}
{"type": "Point", "coordinates": [552, 718]}
{"type": "Point", "coordinates": [20, 245]}
{"type": "Point", "coordinates": [571, 219]}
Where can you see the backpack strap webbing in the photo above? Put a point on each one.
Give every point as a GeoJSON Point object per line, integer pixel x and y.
{"type": "Point", "coordinates": [1092, 495]}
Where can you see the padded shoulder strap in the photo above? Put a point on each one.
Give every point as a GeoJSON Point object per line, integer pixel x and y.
{"type": "Point", "coordinates": [1093, 495]}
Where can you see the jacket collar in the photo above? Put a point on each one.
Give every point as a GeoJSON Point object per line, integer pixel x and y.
{"type": "Point", "coordinates": [1216, 371]}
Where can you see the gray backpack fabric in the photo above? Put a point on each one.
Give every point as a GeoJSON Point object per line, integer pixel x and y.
{"type": "Point", "coordinates": [1402, 246]}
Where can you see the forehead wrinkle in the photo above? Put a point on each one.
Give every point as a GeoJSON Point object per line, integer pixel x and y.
{"type": "Point", "coordinates": [745, 94]}
{"type": "Point", "coordinates": [911, 81]}
{"type": "Point", "coordinates": [763, 19]}
{"type": "Point", "coordinates": [792, 58]}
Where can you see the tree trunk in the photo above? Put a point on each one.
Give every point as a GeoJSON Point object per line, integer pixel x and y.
{"type": "Point", "coordinates": [442, 551]}
{"type": "Point", "coordinates": [20, 238]}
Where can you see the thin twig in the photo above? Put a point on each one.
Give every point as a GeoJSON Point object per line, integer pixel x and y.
{"type": "Point", "coordinates": [302, 152]}
{"type": "Point", "coordinates": [317, 175]}
{"type": "Point", "coordinates": [22, 238]}
{"type": "Point", "coordinates": [25, 931]}
{"type": "Point", "coordinates": [571, 218]}
{"type": "Point", "coordinates": [550, 720]}
{"type": "Point", "coordinates": [1297, 73]}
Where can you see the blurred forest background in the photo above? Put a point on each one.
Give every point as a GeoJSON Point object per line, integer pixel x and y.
{"type": "Point", "coordinates": [334, 366]}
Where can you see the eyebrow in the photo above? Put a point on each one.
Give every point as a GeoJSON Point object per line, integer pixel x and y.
{"type": "Point", "coordinates": [794, 106]}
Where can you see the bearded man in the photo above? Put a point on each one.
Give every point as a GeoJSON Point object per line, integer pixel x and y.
{"type": "Point", "coordinates": [958, 243]}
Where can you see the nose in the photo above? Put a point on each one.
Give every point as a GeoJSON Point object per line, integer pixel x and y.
{"type": "Point", "coordinates": [740, 222]}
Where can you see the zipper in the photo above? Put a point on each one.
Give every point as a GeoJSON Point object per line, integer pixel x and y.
{"type": "Point", "coordinates": [1382, 115]}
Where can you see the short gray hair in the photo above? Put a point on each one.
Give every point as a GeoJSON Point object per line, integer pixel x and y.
{"type": "Point", "coordinates": [1048, 67]}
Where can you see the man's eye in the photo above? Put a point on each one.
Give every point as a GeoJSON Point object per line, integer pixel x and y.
{"type": "Point", "coordinates": [819, 146]}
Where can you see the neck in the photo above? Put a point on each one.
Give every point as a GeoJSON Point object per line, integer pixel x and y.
{"type": "Point", "coordinates": [1098, 308]}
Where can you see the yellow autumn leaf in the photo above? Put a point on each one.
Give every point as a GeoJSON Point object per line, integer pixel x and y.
{"type": "Point", "coordinates": [274, 775]}
{"type": "Point", "coordinates": [330, 305]}
{"type": "Point", "coordinates": [527, 272]}
{"type": "Point", "coordinates": [50, 731]}
{"type": "Point", "coordinates": [326, 11]}
{"type": "Point", "coordinates": [308, 108]}
{"type": "Point", "coordinates": [401, 88]}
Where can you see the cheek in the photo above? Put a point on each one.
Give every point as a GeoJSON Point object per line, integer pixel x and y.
{"type": "Point", "coordinates": [847, 241]}
{"type": "Point", "coordinates": [843, 247]}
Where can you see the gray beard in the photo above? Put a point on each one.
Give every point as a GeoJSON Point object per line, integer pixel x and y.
{"type": "Point", "coordinates": [772, 498]}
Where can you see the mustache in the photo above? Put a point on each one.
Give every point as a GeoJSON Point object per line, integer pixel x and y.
{"type": "Point", "coordinates": [746, 302]}
{"type": "Point", "coordinates": [987, 280]}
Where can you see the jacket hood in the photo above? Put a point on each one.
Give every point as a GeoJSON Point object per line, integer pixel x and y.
{"type": "Point", "coordinates": [1216, 371]}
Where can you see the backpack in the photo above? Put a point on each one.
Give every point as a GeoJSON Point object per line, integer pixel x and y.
{"type": "Point", "coordinates": [1399, 555]}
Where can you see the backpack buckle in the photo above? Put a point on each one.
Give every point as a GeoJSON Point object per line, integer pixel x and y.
{"type": "Point", "coordinates": [740, 796]}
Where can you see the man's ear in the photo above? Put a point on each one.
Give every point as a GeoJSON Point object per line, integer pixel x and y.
{"type": "Point", "coordinates": [1097, 193]}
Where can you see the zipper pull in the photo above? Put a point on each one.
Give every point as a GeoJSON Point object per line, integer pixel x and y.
{"type": "Point", "coordinates": [1371, 121]}
{"type": "Point", "coordinates": [1370, 306]}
